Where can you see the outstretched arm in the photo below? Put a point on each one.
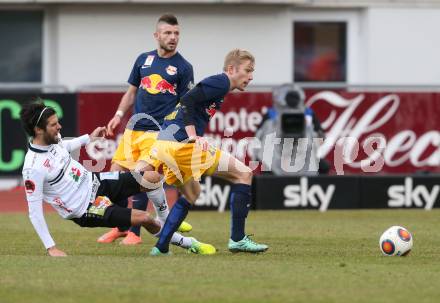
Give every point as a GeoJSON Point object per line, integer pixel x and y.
{"type": "Point", "coordinates": [76, 143]}
{"type": "Point", "coordinates": [34, 181]}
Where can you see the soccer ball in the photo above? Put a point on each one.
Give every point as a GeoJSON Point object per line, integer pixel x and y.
{"type": "Point", "coordinates": [396, 241]}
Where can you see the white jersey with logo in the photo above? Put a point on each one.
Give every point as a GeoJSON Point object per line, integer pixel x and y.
{"type": "Point", "coordinates": [50, 174]}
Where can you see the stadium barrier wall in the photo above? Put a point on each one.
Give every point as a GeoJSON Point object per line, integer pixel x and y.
{"type": "Point", "coordinates": [406, 122]}
{"type": "Point", "coordinates": [324, 193]}
{"type": "Point", "coordinates": [347, 192]}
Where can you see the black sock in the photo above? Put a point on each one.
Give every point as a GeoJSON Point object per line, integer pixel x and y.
{"type": "Point", "coordinates": [123, 203]}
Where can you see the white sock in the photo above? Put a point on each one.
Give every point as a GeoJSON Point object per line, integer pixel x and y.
{"type": "Point", "coordinates": [177, 239]}
{"type": "Point", "coordinates": [160, 203]}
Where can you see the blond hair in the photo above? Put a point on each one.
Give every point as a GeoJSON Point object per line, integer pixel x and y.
{"type": "Point", "coordinates": [237, 56]}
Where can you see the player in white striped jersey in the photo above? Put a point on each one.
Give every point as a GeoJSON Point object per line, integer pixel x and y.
{"type": "Point", "coordinates": [50, 174]}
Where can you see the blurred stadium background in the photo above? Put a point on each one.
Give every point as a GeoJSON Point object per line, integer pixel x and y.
{"type": "Point", "coordinates": [368, 69]}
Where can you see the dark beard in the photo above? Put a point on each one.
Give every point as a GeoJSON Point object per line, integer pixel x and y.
{"type": "Point", "coordinates": [50, 140]}
{"type": "Point", "coordinates": [167, 49]}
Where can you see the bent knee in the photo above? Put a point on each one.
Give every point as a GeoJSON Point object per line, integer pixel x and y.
{"type": "Point", "coordinates": [193, 196]}
{"type": "Point", "coordinates": [191, 191]}
{"type": "Point", "coordinates": [151, 177]}
{"type": "Point", "coordinates": [142, 165]}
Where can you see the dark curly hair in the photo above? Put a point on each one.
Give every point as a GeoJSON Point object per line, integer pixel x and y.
{"type": "Point", "coordinates": [35, 115]}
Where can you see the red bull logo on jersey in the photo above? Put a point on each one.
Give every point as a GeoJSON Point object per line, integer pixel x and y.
{"type": "Point", "coordinates": [171, 70]}
{"type": "Point", "coordinates": [155, 84]}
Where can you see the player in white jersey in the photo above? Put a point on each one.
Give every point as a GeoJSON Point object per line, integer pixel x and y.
{"type": "Point", "coordinates": [50, 174]}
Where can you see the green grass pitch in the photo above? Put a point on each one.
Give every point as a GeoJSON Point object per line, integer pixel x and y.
{"type": "Point", "coordinates": [313, 257]}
